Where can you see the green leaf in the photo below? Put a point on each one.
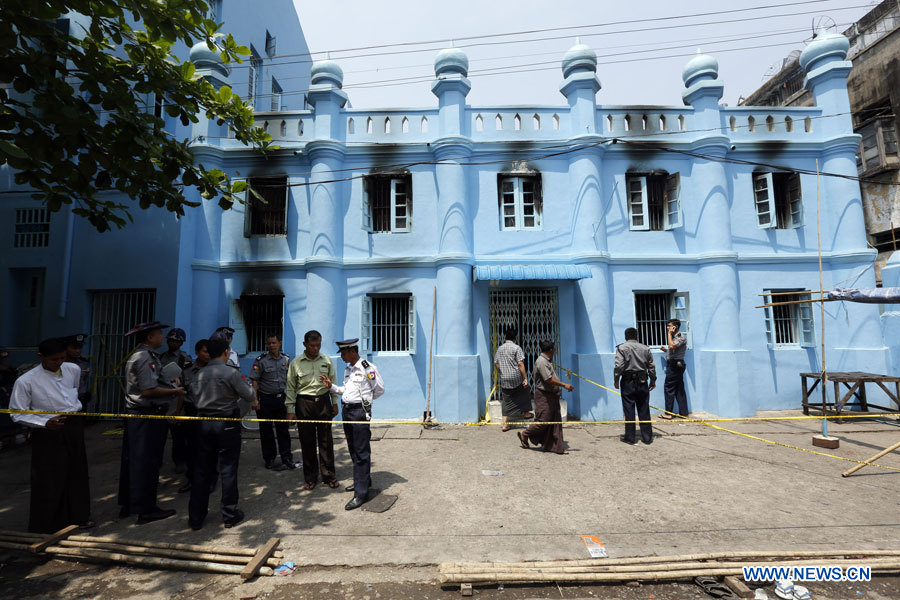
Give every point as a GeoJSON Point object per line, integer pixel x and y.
{"type": "Point", "coordinates": [12, 150]}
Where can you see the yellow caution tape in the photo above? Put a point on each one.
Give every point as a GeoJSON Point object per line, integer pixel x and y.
{"type": "Point", "coordinates": [707, 422]}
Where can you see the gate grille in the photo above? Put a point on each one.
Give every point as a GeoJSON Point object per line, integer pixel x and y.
{"type": "Point", "coordinates": [114, 313]}
{"type": "Point", "coordinates": [533, 312]}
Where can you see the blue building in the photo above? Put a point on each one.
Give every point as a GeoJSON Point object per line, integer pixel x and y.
{"type": "Point", "coordinates": [572, 221]}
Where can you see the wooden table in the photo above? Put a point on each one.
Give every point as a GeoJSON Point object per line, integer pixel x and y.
{"type": "Point", "coordinates": [855, 383]}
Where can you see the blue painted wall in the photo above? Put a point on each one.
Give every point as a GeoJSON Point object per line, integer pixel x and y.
{"type": "Point", "coordinates": [327, 262]}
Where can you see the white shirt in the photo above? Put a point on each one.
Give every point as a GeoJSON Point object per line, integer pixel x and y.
{"type": "Point", "coordinates": [360, 383]}
{"type": "Point", "coordinates": [40, 389]}
{"type": "Point", "coordinates": [233, 359]}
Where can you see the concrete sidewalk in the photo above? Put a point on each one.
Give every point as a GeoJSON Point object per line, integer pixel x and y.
{"type": "Point", "coordinates": [694, 490]}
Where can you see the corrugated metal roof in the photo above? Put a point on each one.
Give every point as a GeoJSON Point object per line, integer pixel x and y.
{"type": "Point", "coordinates": [519, 272]}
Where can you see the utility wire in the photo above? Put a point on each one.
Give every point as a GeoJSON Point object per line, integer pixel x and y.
{"type": "Point", "coordinates": [570, 28]}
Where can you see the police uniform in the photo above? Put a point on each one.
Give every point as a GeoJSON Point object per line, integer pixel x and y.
{"type": "Point", "coordinates": [270, 373]}
{"type": "Point", "coordinates": [362, 384]}
{"type": "Point", "coordinates": [180, 453]}
{"type": "Point", "coordinates": [232, 355]}
{"type": "Point", "coordinates": [218, 391]}
{"type": "Point", "coordinates": [145, 439]}
{"type": "Point", "coordinates": [84, 383]}
{"type": "Point", "coordinates": [634, 364]}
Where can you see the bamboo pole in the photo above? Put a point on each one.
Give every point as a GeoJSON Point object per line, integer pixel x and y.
{"type": "Point", "coordinates": [789, 302]}
{"type": "Point", "coordinates": [856, 468]}
{"type": "Point", "coordinates": [144, 561]}
{"type": "Point", "coordinates": [427, 416]}
{"type": "Point", "coordinates": [650, 575]}
{"type": "Point", "coordinates": [19, 536]}
{"type": "Point", "coordinates": [793, 293]}
{"type": "Point", "coordinates": [821, 300]}
{"type": "Point", "coordinates": [673, 566]}
{"type": "Point", "coordinates": [166, 553]}
{"type": "Point", "coordinates": [173, 546]}
{"type": "Point", "coordinates": [740, 555]}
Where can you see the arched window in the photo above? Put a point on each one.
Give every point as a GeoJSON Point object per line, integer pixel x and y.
{"type": "Point", "coordinates": [627, 122]}
{"type": "Point", "coordinates": [283, 129]}
{"type": "Point", "coordinates": [266, 126]}
{"type": "Point", "coordinates": [556, 122]}
{"type": "Point", "coordinates": [387, 124]}
{"type": "Point", "coordinates": [644, 122]}
{"type": "Point", "coordinates": [751, 124]}
{"type": "Point", "coordinates": [479, 123]}
{"type": "Point", "coordinates": [350, 127]}
{"type": "Point", "coordinates": [369, 127]}
{"type": "Point", "coordinates": [424, 124]}
{"type": "Point", "coordinates": [807, 124]}
{"type": "Point", "coordinates": [536, 122]}
{"type": "Point", "coordinates": [517, 123]}
{"type": "Point", "coordinates": [300, 127]}
{"type": "Point", "coordinates": [498, 122]}
{"type": "Point", "coordinates": [404, 125]}
{"type": "Point", "coordinates": [609, 122]}
{"type": "Point", "coordinates": [662, 122]}
{"type": "Point", "coordinates": [681, 122]}
{"type": "Point", "coordinates": [732, 123]}
{"type": "Point", "coordinates": [788, 124]}
{"type": "Point", "coordinates": [770, 123]}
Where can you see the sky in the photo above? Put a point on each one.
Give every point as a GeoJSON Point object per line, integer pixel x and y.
{"type": "Point", "coordinates": [642, 45]}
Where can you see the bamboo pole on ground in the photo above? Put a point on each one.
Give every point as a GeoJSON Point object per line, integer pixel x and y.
{"type": "Point", "coordinates": [20, 535]}
{"type": "Point", "coordinates": [742, 555]}
{"type": "Point", "coordinates": [670, 566]}
{"type": "Point", "coordinates": [856, 468]}
{"type": "Point", "coordinates": [649, 575]}
{"type": "Point", "coordinates": [164, 552]}
{"type": "Point", "coordinates": [90, 554]}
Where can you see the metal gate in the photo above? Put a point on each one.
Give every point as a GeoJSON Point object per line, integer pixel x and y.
{"type": "Point", "coordinates": [534, 312]}
{"type": "Point", "coordinates": [113, 313]}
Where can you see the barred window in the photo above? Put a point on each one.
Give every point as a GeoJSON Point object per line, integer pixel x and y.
{"type": "Point", "coordinates": [521, 202]}
{"type": "Point", "coordinates": [253, 72]}
{"type": "Point", "coordinates": [653, 309]}
{"type": "Point", "coordinates": [790, 323]}
{"type": "Point", "coordinates": [388, 323]}
{"type": "Point", "coordinates": [878, 147]}
{"type": "Point", "coordinates": [32, 228]}
{"type": "Point", "coordinates": [269, 215]}
{"type": "Point", "coordinates": [387, 205]}
{"type": "Point", "coordinates": [263, 316]}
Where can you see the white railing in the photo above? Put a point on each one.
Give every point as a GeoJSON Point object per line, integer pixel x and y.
{"type": "Point", "coordinates": [767, 122]}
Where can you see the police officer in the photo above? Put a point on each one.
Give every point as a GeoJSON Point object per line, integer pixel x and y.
{"type": "Point", "coordinates": [362, 384]}
{"type": "Point", "coordinates": [269, 377]}
{"type": "Point", "coordinates": [228, 332]}
{"type": "Point", "coordinates": [219, 391]}
{"type": "Point", "coordinates": [74, 345]}
{"type": "Point", "coordinates": [634, 364]}
{"type": "Point", "coordinates": [189, 408]}
{"type": "Point", "coordinates": [145, 439]}
{"type": "Point", "coordinates": [174, 354]}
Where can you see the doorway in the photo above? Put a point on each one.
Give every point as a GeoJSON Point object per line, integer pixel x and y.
{"type": "Point", "coordinates": [534, 312]}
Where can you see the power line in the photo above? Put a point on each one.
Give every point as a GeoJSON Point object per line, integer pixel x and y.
{"type": "Point", "coordinates": [584, 35]}
{"type": "Point", "coordinates": [545, 29]}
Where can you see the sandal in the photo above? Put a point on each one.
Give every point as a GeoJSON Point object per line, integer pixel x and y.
{"type": "Point", "coordinates": [528, 415]}
{"type": "Point", "coordinates": [522, 439]}
{"type": "Point", "coordinates": [666, 416]}
{"type": "Point", "coordinates": [309, 486]}
{"type": "Point", "coordinates": [711, 586]}
{"type": "Point", "coordinates": [505, 428]}
{"type": "Point", "coordinates": [333, 483]}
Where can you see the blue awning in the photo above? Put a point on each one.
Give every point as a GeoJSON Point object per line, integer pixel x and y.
{"type": "Point", "coordinates": [519, 272]}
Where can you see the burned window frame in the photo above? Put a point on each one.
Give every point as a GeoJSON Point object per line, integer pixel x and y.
{"type": "Point", "coordinates": [381, 209]}
{"type": "Point", "coordinates": [778, 199]}
{"type": "Point", "coordinates": [658, 195]}
{"type": "Point", "coordinates": [518, 179]}
{"type": "Point", "coordinates": [275, 191]}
